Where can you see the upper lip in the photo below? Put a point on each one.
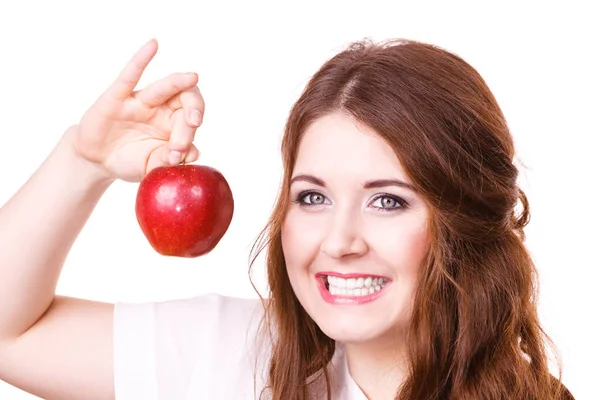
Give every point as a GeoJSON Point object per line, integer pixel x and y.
{"type": "Point", "coordinates": [350, 275]}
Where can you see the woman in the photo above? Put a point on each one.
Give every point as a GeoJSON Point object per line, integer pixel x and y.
{"type": "Point", "coordinates": [396, 263]}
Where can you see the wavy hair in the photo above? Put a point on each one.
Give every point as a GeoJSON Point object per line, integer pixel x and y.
{"type": "Point", "coordinates": [474, 331]}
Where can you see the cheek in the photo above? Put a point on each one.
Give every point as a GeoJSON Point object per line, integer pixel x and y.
{"type": "Point", "coordinates": [300, 239]}
{"type": "Point", "coordinates": [402, 244]}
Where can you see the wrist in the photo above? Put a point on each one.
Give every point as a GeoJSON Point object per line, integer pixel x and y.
{"type": "Point", "coordinates": [86, 170]}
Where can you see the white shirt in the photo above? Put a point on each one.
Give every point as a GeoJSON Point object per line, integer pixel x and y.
{"type": "Point", "coordinates": [200, 348]}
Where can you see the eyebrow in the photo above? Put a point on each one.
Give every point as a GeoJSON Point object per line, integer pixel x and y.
{"type": "Point", "coordinates": [378, 183]}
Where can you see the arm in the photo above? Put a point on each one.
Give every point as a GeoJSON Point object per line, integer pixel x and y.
{"type": "Point", "coordinates": [57, 347]}
{"type": "Point", "coordinates": [52, 347]}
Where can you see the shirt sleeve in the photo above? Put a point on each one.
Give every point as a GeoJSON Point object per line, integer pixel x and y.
{"type": "Point", "coordinates": [134, 345]}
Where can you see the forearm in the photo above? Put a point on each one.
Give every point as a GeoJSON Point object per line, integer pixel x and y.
{"type": "Point", "coordinates": [38, 227]}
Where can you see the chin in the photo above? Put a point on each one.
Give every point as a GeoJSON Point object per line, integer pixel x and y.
{"type": "Point", "coordinates": [349, 330]}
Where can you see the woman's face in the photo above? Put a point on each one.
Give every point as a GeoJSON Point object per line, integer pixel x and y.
{"type": "Point", "coordinates": [355, 234]}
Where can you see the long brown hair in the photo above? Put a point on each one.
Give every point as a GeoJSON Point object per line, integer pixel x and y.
{"type": "Point", "coordinates": [474, 331]}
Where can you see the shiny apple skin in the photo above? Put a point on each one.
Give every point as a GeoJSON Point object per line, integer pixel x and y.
{"type": "Point", "coordinates": [184, 210]}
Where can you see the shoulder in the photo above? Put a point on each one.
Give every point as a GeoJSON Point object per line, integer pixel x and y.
{"type": "Point", "coordinates": [215, 308]}
{"type": "Point", "coordinates": [189, 319]}
{"type": "Point", "coordinates": [192, 312]}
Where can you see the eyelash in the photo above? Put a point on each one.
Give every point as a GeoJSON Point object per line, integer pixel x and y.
{"type": "Point", "coordinates": [402, 204]}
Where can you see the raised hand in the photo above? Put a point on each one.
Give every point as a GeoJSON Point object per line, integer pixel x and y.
{"type": "Point", "coordinates": [127, 133]}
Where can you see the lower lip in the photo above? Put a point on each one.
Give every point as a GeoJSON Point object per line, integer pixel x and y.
{"type": "Point", "coordinates": [347, 299]}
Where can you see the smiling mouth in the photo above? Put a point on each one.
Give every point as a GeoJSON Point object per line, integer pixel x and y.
{"type": "Point", "coordinates": [354, 287]}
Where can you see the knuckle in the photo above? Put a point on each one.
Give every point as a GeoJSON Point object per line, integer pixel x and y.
{"type": "Point", "coordinates": [181, 80]}
{"type": "Point", "coordinates": [172, 85]}
{"type": "Point", "coordinates": [195, 100]}
{"type": "Point", "coordinates": [179, 144]}
{"type": "Point", "coordinates": [154, 98]}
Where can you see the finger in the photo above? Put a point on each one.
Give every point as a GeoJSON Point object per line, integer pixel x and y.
{"type": "Point", "coordinates": [160, 92]}
{"type": "Point", "coordinates": [192, 102]}
{"type": "Point", "coordinates": [160, 157]}
{"type": "Point", "coordinates": [131, 74]}
{"type": "Point", "coordinates": [181, 138]}
{"type": "Point", "coordinates": [192, 155]}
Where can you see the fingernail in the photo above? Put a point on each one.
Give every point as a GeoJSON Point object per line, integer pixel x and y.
{"type": "Point", "coordinates": [174, 157]}
{"type": "Point", "coordinates": [195, 117]}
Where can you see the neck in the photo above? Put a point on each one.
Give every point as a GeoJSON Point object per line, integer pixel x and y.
{"type": "Point", "coordinates": [377, 367]}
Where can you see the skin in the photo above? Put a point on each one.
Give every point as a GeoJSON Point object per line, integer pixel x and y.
{"type": "Point", "coordinates": [341, 227]}
{"type": "Point", "coordinates": [122, 136]}
{"type": "Point", "coordinates": [58, 347]}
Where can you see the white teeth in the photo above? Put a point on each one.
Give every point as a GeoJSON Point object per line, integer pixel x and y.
{"type": "Point", "coordinates": [355, 286]}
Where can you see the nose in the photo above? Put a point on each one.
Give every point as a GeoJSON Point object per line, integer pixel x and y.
{"type": "Point", "coordinates": [344, 236]}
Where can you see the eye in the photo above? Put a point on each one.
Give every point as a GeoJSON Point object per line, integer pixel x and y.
{"type": "Point", "coordinates": [387, 202]}
{"type": "Point", "coordinates": [308, 198]}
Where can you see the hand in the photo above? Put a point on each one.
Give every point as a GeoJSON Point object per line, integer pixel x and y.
{"type": "Point", "coordinates": [127, 133]}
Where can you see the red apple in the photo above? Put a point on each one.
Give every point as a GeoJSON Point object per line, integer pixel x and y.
{"type": "Point", "coordinates": [184, 210]}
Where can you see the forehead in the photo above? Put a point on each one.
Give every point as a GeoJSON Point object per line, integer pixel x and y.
{"type": "Point", "coordinates": [337, 145]}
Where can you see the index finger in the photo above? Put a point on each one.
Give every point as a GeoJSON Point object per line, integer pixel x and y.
{"type": "Point", "coordinates": [129, 77]}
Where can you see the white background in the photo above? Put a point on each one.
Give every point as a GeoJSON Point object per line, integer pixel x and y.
{"type": "Point", "coordinates": [253, 58]}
